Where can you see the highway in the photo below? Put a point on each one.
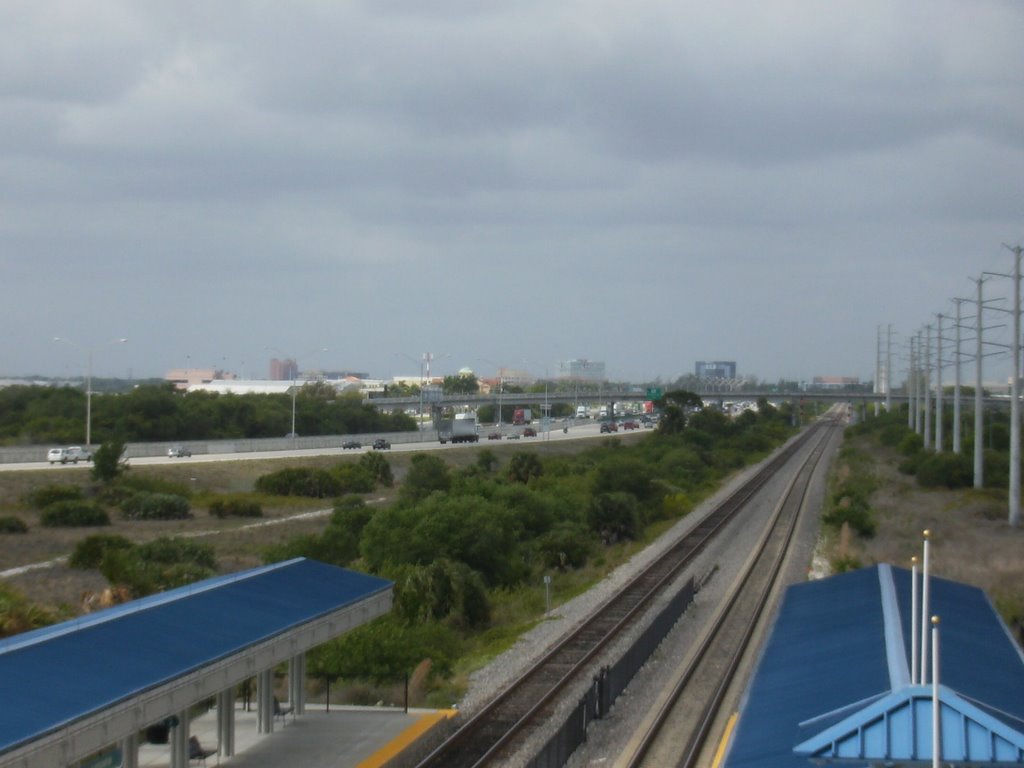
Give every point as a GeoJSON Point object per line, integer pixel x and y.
{"type": "Point", "coordinates": [577, 431]}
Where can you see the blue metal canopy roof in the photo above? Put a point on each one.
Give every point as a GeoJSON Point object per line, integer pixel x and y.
{"type": "Point", "coordinates": [56, 675]}
{"type": "Point", "coordinates": [834, 684]}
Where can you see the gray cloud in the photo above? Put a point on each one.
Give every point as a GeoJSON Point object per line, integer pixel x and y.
{"type": "Point", "coordinates": [647, 184]}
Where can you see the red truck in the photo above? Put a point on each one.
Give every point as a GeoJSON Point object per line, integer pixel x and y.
{"type": "Point", "coordinates": [522, 416]}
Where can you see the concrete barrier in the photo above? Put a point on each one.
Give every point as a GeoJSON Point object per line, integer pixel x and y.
{"type": "Point", "coordinates": [24, 454]}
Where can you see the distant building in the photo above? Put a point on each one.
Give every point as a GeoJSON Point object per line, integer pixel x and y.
{"type": "Point", "coordinates": [581, 370]}
{"type": "Point", "coordinates": [183, 378]}
{"type": "Point", "coordinates": [283, 370]}
{"type": "Point", "coordinates": [835, 382]}
{"type": "Point", "coordinates": [715, 369]}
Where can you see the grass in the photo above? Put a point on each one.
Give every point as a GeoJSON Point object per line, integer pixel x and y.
{"type": "Point", "coordinates": [971, 540]}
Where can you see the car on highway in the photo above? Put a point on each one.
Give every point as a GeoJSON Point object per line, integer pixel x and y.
{"type": "Point", "coordinates": [178, 452]}
{"type": "Point", "coordinates": [513, 436]}
{"type": "Point", "coordinates": [630, 425]}
{"type": "Point", "coordinates": [351, 444]}
{"type": "Point", "coordinates": [380, 444]}
{"type": "Point", "coordinates": [494, 436]}
{"type": "Point", "coordinates": [73, 454]}
{"type": "Point", "coordinates": [609, 426]}
{"type": "Point", "coordinates": [529, 432]}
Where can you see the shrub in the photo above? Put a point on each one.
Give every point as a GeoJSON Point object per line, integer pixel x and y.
{"type": "Point", "coordinates": [235, 506]}
{"type": "Point", "coordinates": [354, 478]}
{"type": "Point", "coordinates": [43, 497]}
{"type": "Point", "coordinates": [378, 467]}
{"type": "Point", "coordinates": [73, 514]}
{"type": "Point", "coordinates": [850, 505]}
{"type": "Point", "coordinates": [613, 516]}
{"type": "Point", "coordinates": [567, 545]}
{"type": "Point", "coordinates": [299, 481]}
{"type": "Point", "coordinates": [12, 524]}
{"type": "Point", "coordinates": [156, 506]}
{"type": "Point", "coordinates": [911, 444]}
{"type": "Point", "coordinates": [951, 470]}
{"type": "Point", "coordinates": [91, 550]}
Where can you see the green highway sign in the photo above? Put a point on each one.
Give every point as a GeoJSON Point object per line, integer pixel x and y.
{"type": "Point", "coordinates": [654, 393]}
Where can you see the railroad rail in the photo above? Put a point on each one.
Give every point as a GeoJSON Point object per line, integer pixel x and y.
{"type": "Point", "coordinates": [498, 727]}
{"type": "Point", "coordinates": [678, 730]}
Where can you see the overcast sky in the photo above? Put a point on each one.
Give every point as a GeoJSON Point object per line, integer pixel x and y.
{"type": "Point", "coordinates": [642, 183]}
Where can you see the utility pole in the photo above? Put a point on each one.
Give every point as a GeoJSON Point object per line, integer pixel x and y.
{"type": "Point", "coordinates": [878, 365]}
{"type": "Point", "coordinates": [919, 418]}
{"type": "Point", "coordinates": [911, 385]}
{"type": "Point", "coordinates": [1014, 493]}
{"type": "Point", "coordinates": [957, 439]}
{"type": "Point", "coordinates": [979, 415]}
{"type": "Point", "coordinates": [938, 387]}
{"type": "Point", "coordinates": [888, 371]}
{"type": "Point", "coordinates": [1014, 515]}
{"type": "Point", "coordinates": [927, 387]}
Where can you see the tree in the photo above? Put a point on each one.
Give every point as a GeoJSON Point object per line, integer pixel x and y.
{"type": "Point", "coordinates": [463, 384]}
{"type": "Point", "coordinates": [523, 467]}
{"type": "Point", "coordinates": [106, 462]}
{"type": "Point", "coordinates": [426, 474]}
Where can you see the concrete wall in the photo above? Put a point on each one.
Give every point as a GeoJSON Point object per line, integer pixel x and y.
{"type": "Point", "coordinates": [37, 453]}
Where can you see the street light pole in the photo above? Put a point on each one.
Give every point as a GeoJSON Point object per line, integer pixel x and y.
{"type": "Point", "coordinates": [295, 372]}
{"type": "Point", "coordinates": [88, 381]}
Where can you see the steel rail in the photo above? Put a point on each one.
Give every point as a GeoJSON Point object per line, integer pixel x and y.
{"type": "Point", "coordinates": [779, 532]}
{"type": "Point", "coordinates": [493, 728]}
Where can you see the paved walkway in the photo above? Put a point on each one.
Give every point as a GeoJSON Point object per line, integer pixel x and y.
{"type": "Point", "coordinates": [345, 737]}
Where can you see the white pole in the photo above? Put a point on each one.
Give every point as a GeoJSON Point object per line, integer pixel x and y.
{"type": "Point", "coordinates": [939, 437]}
{"type": "Point", "coordinates": [913, 622]}
{"type": "Point", "coordinates": [1014, 501]}
{"type": "Point", "coordinates": [888, 371]}
{"type": "Point", "coordinates": [956, 385]}
{"type": "Point", "coordinates": [924, 613]}
{"type": "Point", "coordinates": [979, 414]}
{"type": "Point", "coordinates": [911, 383]}
{"type": "Point", "coordinates": [927, 387]}
{"type": "Point", "coordinates": [936, 714]}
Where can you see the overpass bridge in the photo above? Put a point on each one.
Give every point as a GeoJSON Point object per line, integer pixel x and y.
{"type": "Point", "coordinates": [538, 399]}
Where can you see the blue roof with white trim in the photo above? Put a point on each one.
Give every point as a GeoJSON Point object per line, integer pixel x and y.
{"type": "Point", "coordinates": [58, 674]}
{"type": "Point", "coordinates": [834, 685]}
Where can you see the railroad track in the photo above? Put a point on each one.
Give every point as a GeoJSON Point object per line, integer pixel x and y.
{"type": "Point", "coordinates": [495, 731]}
{"type": "Point", "coordinates": [678, 730]}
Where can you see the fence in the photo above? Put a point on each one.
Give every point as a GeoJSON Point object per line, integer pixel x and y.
{"type": "Point", "coordinates": [610, 682]}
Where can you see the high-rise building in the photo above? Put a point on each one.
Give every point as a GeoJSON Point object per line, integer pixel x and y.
{"type": "Point", "coordinates": [581, 370]}
{"type": "Point", "coordinates": [715, 369]}
{"type": "Point", "coordinates": [283, 370]}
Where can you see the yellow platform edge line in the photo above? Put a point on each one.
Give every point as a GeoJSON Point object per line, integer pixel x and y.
{"type": "Point", "coordinates": [423, 724]}
{"type": "Point", "coordinates": [720, 752]}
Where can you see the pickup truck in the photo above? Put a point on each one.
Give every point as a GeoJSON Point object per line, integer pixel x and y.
{"type": "Point", "coordinates": [73, 453]}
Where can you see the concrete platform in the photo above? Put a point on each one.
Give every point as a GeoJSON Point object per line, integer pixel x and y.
{"type": "Point", "coordinates": [345, 737]}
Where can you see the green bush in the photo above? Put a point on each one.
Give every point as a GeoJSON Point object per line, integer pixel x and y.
{"type": "Point", "coordinates": [73, 514]}
{"type": "Point", "coordinates": [299, 481]}
{"type": "Point", "coordinates": [235, 506]}
{"type": "Point", "coordinates": [375, 463]}
{"type": "Point", "coordinates": [567, 545]}
{"type": "Point", "coordinates": [354, 478]}
{"type": "Point", "coordinates": [41, 498]}
{"type": "Point", "coordinates": [156, 506]}
{"type": "Point", "coordinates": [91, 550]}
{"type": "Point", "coordinates": [850, 505]}
{"type": "Point", "coordinates": [952, 470]}
{"type": "Point", "coordinates": [12, 524]}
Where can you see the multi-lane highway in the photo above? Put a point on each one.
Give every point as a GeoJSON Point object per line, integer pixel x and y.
{"type": "Point", "coordinates": [401, 442]}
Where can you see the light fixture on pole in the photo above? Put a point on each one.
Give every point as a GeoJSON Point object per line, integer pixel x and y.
{"type": "Point", "coordinates": [88, 381]}
{"type": "Point", "coordinates": [294, 369]}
